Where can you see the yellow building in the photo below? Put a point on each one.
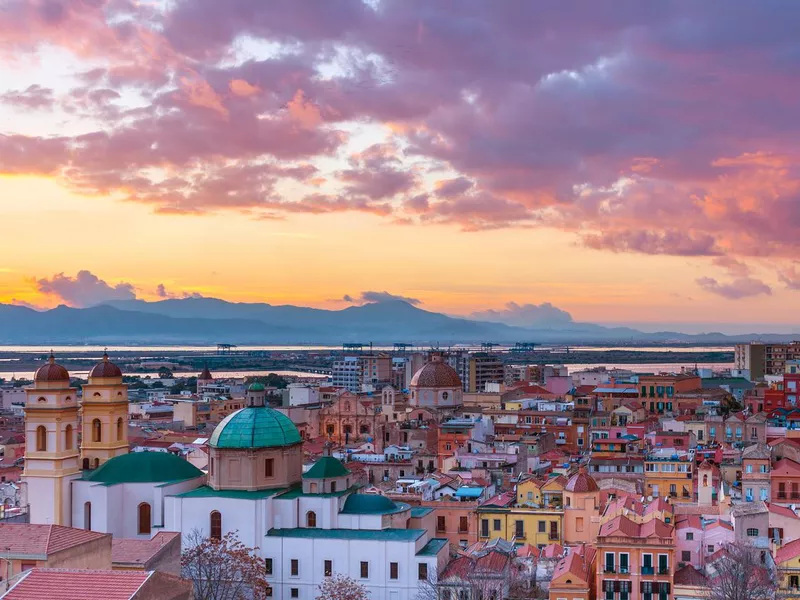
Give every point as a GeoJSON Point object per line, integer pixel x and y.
{"type": "Point", "coordinates": [541, 493]}
{"type": "Point", "coordinates": [669, 473]}
{"type": "Point", "coordinates": [787, 560]}
{"type": "Point", "coordinates": [104, 415]}
{"type": "Point", "coordinates": [535, 526]}
{"type": "Point", "coordinates": [51, 444]}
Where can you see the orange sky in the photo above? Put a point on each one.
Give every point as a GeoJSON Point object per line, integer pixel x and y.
{"type": "Point", "coordinates": [314, 260]}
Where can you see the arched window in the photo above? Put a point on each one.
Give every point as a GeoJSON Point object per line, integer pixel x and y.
{"type": "Point", "coordinates": [144, 519]}
{"type": "Point", "coordinates": [41, 438]}
{"type": "Point", "coordinates": [216, 525]}
{"type": "Point", "coordinates": [68, 437]}
{"type": "Point", "coordinates": [41, 399]}
{"type": "Point", "coordinates": [119, 428]}
{"type": "Point", "coordinates": [311, 519]}
{"type": "Point", "coordinates": [85, 464]}
{"type": "Point", "coordinates": [705, 480]}
{"type": "Point", "coordinates": [96, 431]}
{"type": "Point", "coordinates": [87, 516]}
{"type": "Point", "coordinates": [96, 462]}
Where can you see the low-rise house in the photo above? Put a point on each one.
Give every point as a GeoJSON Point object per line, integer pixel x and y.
{"type": "Point", "coordinates": [784, 523]}
{"type": "Point", "coordinates": [690, 584]}
{"type": "Point", "coordinates": [751, 523]}
{"type": "Point", "coordinates": [785, 482]}
{"type": "Point", "coordinates": [574, 575]}
{"type": "Point", "coordinates": [756, 466]}
{"type": "Point", "coordinates": [161, 553]}
{"type": "Point", "coordinates": [25, 546]}
{"type": "Point", "coordinates": [787, 560]}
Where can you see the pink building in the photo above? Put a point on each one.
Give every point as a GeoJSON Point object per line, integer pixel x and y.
{"type": "Point", "coordinates": [697, 540]}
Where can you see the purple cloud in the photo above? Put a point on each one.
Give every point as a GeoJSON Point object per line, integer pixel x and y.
{"type": "Point", "coordinates": [743, 287]}
{"type": "Point", "coordinates": [85, 289]}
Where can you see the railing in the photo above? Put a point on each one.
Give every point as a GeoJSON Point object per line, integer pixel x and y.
{"type": "Point", "coordinates": [553, 536]}
{"type": "Point", "coordinates": [609, 569]}
{"type": "Point", "coordinates": [648, 571]}
{"type": "Point", "coordinates": [663, 571]}
{"type": "Point", "coordinates": [624, 570]}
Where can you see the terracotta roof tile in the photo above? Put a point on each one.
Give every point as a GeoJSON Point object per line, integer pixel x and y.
{"type": "Point", "coordinates": [23, 538]}
{"type": "Point", "coordinates": [690, 576]}
{"type": "Point", "coordinates": [782, 510]}
{"type": "Point", "coordinates": [73, 584]}
{"type": "Point", "coordinates": [788, 551]}
{"type": "Point", "coordinates": [786, 467]}
{"type": "Point", "coordinates": [139, 552]}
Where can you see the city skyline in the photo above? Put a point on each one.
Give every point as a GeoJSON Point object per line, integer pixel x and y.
{"type": "Point", "coordinates": [625, 163]}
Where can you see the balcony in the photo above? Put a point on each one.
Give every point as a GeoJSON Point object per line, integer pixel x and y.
{"type": "Point", "coordinates": [624, 570]}
{"type": "Point", "coordinates": [609, 569]}
{"type": "Point", "coordinates": [552, 536]}
{"type": "Point", "coordinates": [648, 571]}
{"type": "Point", "coordinates": [663, 571]}
{"type": "Point", "coordinates": [781, 495]}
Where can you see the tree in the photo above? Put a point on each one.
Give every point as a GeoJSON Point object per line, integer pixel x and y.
{"type": "Point", "coordinates": [223, 569]}
{"type": "Point", "coordinates": [741, 573]}
{"type": "Point", "coordinates": [341, 587]}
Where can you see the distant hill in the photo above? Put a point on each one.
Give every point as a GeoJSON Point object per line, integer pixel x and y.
{"type": "Point", "coordinates": [209, 320]}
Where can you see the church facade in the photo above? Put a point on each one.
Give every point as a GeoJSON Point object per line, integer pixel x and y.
{"type": "Point", "coordinates": [305, 525]}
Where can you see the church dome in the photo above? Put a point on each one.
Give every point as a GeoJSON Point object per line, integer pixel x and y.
{"type": "Point", "coordinates": [581, 483]}
{"type": "Point", "coordinates": [436, 374]}
{"type": "Point", "coordinates": [143, 467]}
{"type": "Point", "coordinates": [256, 387]}
{"type": "Point", "coordinates": [51, 372]}
{"type": "Point", "coordinates": [326, 467]}
{"type": "Point", "coordinates": [105, 369]}
{"type": "Point", "coordinates": [255, 427]}
{"type": "Point", "coordinates": [370, 504]}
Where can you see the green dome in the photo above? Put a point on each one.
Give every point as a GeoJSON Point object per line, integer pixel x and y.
{"type": "Point", "coordinates": [375, 504]}
{"type": "Point", "coordinates": [255, 427]}
{"type": "Point", "coordinates": [143, 467]}
{"type": "Point", "coordinates": [256, 387]}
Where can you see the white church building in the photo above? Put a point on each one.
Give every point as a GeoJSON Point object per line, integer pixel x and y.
{"type": "Point", "coordinates": [306, 526]}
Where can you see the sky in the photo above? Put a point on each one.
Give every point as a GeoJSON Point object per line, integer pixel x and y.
{"type": "Point", "coordinates": [615, 161]}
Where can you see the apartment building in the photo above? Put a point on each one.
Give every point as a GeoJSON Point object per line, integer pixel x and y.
{"type": "Point", "coordinates": [363, 372]}
{"type": "Point", "coordinates": [670, 473]}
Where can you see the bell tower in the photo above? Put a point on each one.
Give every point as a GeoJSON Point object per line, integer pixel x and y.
{"type": "Point", "coordinates": [51, 444]}
{"type": "Point", "coordinates": [104, 415]}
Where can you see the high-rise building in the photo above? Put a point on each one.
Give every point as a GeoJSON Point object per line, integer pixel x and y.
{"type": "Point", "coordinates": [750, 358]}
{"type": "Point", "coordinates": [362, 372]}
{"type": "Point", "coordinates": [485, 367]}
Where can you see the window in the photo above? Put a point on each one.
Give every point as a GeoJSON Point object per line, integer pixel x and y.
{"type": "Point", "coordinates": [463, 525]}
{"type": "Point", "coordinates": [579, 524]}
{"type": "Point", "coordinates": [496, 525]}
{"type": "Point", "coordinates": [752, 532]}
{"type": "Point", "coordinates": [96, 430]}
{"type": "Point", "coordinates": [542, 527]}
{"type": "Point", "coordinates": [710, 548]}
{"type": "Point", "coordinates": [748, 469]}
{"type": "Point", "coordinates": [333, 484]}
{"type": "Point", "coordinates": [553, 530]}
{"type": "Point", "coordinates": [519, 529]}
{"type": "Point", "coordinates": [144, 519]}
{"type": "Point", "coordinates": [647, 564]}
{"type": "Point", "coordinates": [689, 536]}
{"type": "Point", "coordinates": [119, 429]}
{"type": "Point", "coordinates": [211, 467]}
{"type": "Point", "coordinates": [422, 571]}
{"type": "Point", "coordinates": [393, 571]}
{"type": "Point", "coordinates": [311, 519]}
{"type": "Point", "coordinates": [794, 581]}
{"type": "Point", "coordinates": [269, 467]}
{"type": "Point", "coordinates": [87, 516]}
{"type": "Point", "coordinates": [294, 592]}
{"type": "Point", "coordinates": [663, 565]}
{"type": "Point", "coordinates": [41, 438]}
{"type": "Point", "coordinates": [609, 562]}
{"type": "Point", "coordinates": [364, 570]}
{"type": "Point", "coordinates": [268, 566]}
{"type": "Point", "coordinates": [484, 527]}
{"type": "Point", "coordinates": [440, 524]}
{"type": "Point", "coordinates": [686, 556]}
{"type": "Point", "coordinates": [623, 562]}
{"type": "Point", "coordinates": [294, 567]}
{"type": "Point", "coordinates": [328, 568]}
{"type": "Point", "coordinates": [216, 525]}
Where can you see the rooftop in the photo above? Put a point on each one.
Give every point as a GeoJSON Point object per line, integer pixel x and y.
{"type": "Point", "coordinates": [255, 427]}
{"type": "Point", "coordinates": [23, 539]}
{"type": "Point", "coordinates": [383, 535]}
{"type": "Point", "coordinates": [72, 584]}
{"type": "Point", "coordinates": [371, 504]}
{"type": "Point", "coordinates": [433, 547]}
{"type": "Point", "coordinates": [325, 468]}
{"type": "Point", "coordinates": [139, 552]}
{"type": "Point", "coordinates": [143, 467]}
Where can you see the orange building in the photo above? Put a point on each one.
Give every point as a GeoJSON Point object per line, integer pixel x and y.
{"type": "Point", "coordinates": [574, 575]}
{"type": "Point", "coordinates": [784, 481]}
{"type": "Point", "coordinates": [456, 521]}
{"type": "Point", "coordinates": [453, 435]}
{"type": "Point", "coordinates": [581, 508]}
{"type": "Point", "coordinates": [657, 392]}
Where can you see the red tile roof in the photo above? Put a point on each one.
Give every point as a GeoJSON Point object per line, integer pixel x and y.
{"type": "Point", "coordinates": [782, 511]}
{"type": "Point", "coordinates": [690, 576]}
{"type": "Point", "coordinates": [552, 551]}
{"type": "Point", "coordinates": [27, 539]}
{"type": "Point", "coordinates": [74, 584]}
{"type": "Point", "coordinates": [576, 564]}
{"type": "Point", "coordinates": [623, 526]}
{"type": "Point", "coordinates": [788, 551]}
{"type": "Point", "coordinates": [786, 467]}
{"type": "Point", "coordinates": [140, 552]}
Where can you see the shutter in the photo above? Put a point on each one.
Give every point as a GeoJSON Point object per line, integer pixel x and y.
{"type": "Point", "coordinates": [617, 586]}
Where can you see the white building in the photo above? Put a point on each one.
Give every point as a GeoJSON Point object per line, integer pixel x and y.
{"type": "Point", "coordinates": [306, 526]}
{"type": "Point", "coordinates": [301, 394]}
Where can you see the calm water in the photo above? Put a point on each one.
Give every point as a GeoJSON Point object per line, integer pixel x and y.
{"type": "Point", "coordinates": [217, 374]}
{"type": "Point", "coordinates": [100, 349]}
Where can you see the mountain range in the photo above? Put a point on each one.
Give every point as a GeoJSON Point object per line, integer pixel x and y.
{"type": "Point", "coordinates": [210, 320]}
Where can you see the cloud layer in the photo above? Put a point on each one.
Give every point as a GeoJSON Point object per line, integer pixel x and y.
{"type": "Point", "coordinates": [525, 315]}
{"type": "Point", "coordinates": [372, 297]}
{"type": "Point", "coordinates": [640, 127]}
{"type": "Point", "coordinates": [85, 289]}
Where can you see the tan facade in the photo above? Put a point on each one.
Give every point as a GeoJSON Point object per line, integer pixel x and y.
{"type": "Point", "coordinates": [252, 470]}
{"type": "Point", "coordinates": [104, 417]}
